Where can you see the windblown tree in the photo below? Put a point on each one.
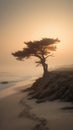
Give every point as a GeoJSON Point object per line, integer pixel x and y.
{"type": "Point", "coordinates": [41, 49]}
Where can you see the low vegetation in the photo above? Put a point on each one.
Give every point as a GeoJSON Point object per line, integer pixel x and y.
{"type": "Point", "coordinates": [56, 85]}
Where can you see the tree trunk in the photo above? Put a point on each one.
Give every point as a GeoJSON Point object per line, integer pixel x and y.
{"type": "Point", "coordinates": [43, 63]}
{"type": "Point", "coordinates": [45, 69]}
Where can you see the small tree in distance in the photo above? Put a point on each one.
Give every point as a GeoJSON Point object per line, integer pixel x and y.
{"type": "Point", "coordinates": [41, 49]}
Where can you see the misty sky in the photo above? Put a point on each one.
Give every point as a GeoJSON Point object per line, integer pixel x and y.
{"type": "Point", "coordinates": [24, 20]}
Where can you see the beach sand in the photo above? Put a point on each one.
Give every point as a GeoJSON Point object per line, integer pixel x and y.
{"type": "Point", "coordinates": [19, 113]}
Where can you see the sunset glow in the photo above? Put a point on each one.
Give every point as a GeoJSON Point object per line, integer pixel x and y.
{"type": "Point", "coordinates": [25, 20]}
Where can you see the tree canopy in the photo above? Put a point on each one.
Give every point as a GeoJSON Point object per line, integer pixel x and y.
{"type": "Point", "coordinates": [41, 49]}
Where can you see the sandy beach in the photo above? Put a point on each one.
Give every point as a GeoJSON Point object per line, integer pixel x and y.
{"type": "Point", "coordinates": [36, 64]}
{"type": "Point", "coordinates": [19, 113]}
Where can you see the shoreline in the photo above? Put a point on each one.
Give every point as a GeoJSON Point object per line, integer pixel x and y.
{"type": "Point", "coordinates": [19, 113]}
{"type": "Point", "coordinates": [15, 88]}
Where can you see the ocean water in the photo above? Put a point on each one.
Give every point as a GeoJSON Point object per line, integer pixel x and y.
{"type": "Point", "coordinates": [13, 79]}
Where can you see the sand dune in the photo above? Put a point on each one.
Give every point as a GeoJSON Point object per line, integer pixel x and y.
{"type": "Point", "coordinates": [55, 85]}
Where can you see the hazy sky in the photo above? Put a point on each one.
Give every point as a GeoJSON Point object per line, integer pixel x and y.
{"type": "Point", "coordinates": [24, 20]}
